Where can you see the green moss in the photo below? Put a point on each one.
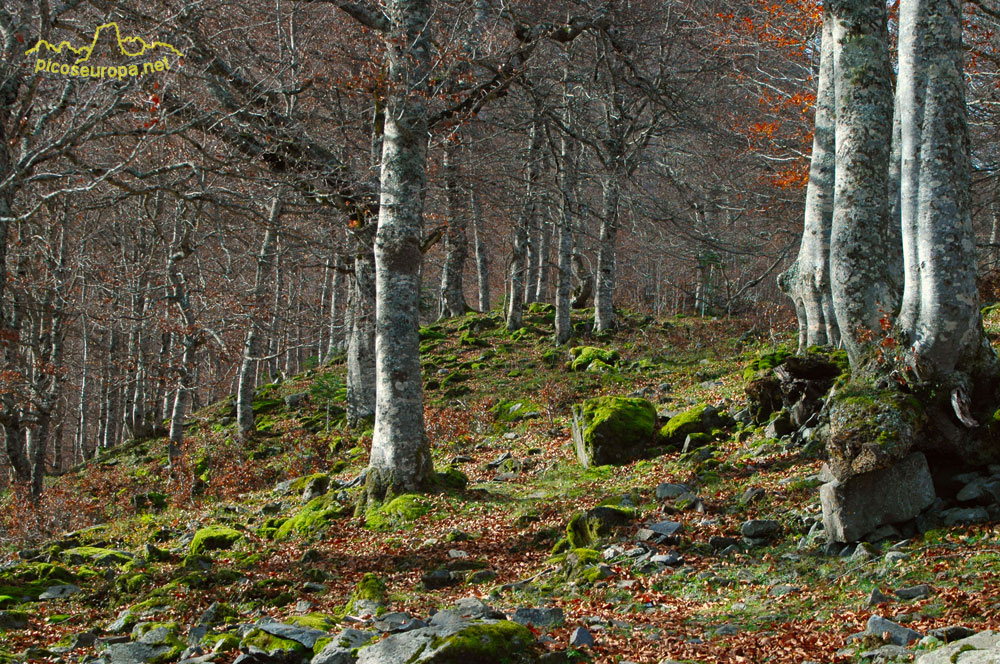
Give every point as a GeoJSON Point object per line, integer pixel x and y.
{"type": "Point", "coordinates": [221, 642]}
{"type": "Point", "coordinates": [211, 538]}
{"type": "Point", "coordinates": [453, 478]}
{"type": "Point", "coordinates": [269, 643]}
{"type": "Point", "coordinates": [269, 528]}
{"type": "Point", "coordinates": [681, 425]}
{"type": "Point", "coordinates": [97, 556]}
{"type": "Point", "coordinates": [170, 639]}
{"type": "Point", "coordinates": [400, 511]}
{"type": "Point", "coordinates": [432, 332]}
{"type": "Point", "coordinates": [581, 532]}
{"type": "Point", "coordinates": [132, 583]}
{"type": "Point", "coordinates": [583, 356]}
{"type": "Point", "coordinates": [503, 642]}
{"type": "Point", "coordinates": [6, 601]}
{"type": "Point", "coordinates": [313, 519]}
{"type": "Point", "coordinates": [370, 588]}
{"type": "Point", "coordinates": [515, 410]}
{"type": "Point", "coordinates": [320, 621]}
{"type": "Point", "coordinates": [765, 361]}
{"type": "Point", "coordinates": [298, 485]}
{"type": "Point", "coordinates": [615, 430]}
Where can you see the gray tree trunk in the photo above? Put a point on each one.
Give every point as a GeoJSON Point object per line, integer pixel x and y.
{"type": "Point", "coordinates": [482, 257]}
{"type": "Point", "coordinates": [400, 456]}
{"type": "Point", "coordinates": [807, 281]}
{"type": "Point", "coordinates": [607, 269]}
{"type": "Point", "coordinates": [336, 322]}
{"type": "Point", "coordinates": [456, 242]}
{"type": "Point", "coordinates": [567, 211]}
{"type": "Point", "coordinates": [252, 345]}
{"type": "Point", "coordinates": [941, 303]}
{"type": "Point", "coordinates": [544, 240]}
{"type": "Point", "coordinates": [525, 221]}
{"type": "Point", "coordinates": [863, 289]}
{"type": "Point", "coordinates": [361, 342]}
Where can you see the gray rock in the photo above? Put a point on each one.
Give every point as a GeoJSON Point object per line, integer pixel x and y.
{"type": "Point", "coordinates": [898, 634]}
{"type": "Point", "coordinates": [895, 556]}
{"type": "Point", "coordinates": [914, 592]}
{"type": "Point", "coordinates": [757, 528]}
{"type": "Point", "coordinates": [886, 653]}
{"type": "Point", "coordinates": [473, 608]}
{"type": "Point", "coordinates": [983, 648]}
{"type": "Point", "coordinates": [877, 597]}
{"type": "Point", "coordinates": [57, 592]}
{"type": "Point", "coordinates": [315, 488]}
{"type": "Point", "coordinates": [581, 637]}
{"type": "Point", "coordinates": [864, 502]}
{"type": "Point", "coordinates": [293, 401]}
{"type": "Point", "coordinates": [729, 629]}
{"type": "Point", "coordinates": [430, 645]}
{"type": "Point", "coordinates": [951, 633]}
{"type": "Point", "coordinates": [668, 491]}
{"type": "Point", "coordinates": [439, 578]}
{"type": "Point", "coordinates": [10, 620]}
{"type": "Point", "coordinates": [546, 617]}
{"type": "Point", "coordinates": [333, 654]}
{"type": "Point", "coordinates": [304, 635]}
{"type": "Point", "coordinates": [964, 516]}
{"type": "Point", "coordinates": [665, 528]}
{"type": "Point", "coordinates": [133, 653]}
{"type": "Point", "coordinates": [397, 622]}
{"type": "Point", "coordinates": [783, 589]}
{"type": "Point", "coordinates": [669, 559]}
{"type": "Point", "coordinates": [752, 494]}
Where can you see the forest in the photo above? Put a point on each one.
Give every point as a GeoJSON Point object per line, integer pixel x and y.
{"type": "Point", "coordinates": [488, 331]}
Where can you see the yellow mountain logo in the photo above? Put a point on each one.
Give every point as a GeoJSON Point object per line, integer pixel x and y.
{"type": "Point", "coordinates": [128, 47]}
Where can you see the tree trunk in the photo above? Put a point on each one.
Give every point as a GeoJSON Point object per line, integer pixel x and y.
{"type": "Point", "coordinates": [482, 258]}
{"type": "Point", "coordinates": [456, 243]}
{"type": "Point", "coordinates": [607, 271]}
{"type": "Point", "coordinates": [567, 210]}
{"type": "Point", "coordinates": [863, 290]}
{"type": "Point", "coordinates": [807, 281]}
{"type": "Point", "coordinates": [361, 343]}
{"type": "Point", "coordinates": [252, 342]}
{"type": "Point", "coordinates": [336, 321]}
{"type": "Point", "coordinates": [400, 456]}
{"type": "Point", "coordinates": [518, 263]}
{"type": "Point", "coordinates": [941, 306]}
{"type": "Point", "coordinates": [542, 283]}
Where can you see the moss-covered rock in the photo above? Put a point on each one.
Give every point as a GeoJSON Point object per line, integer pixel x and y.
{"type": "Point", "coordinates": [313, 519]}
{"type": "Point", "coordinates": [702, 418]}
{"type": "Point", "coordinates": [272, 644]}
{"type": "Point", "coordinates": [369, 589]}
{"type": "Point", "coordinates": [397, 512]}
{"type": "Point", "coordinates": [212, 538]}
{"type": "Point", "coordinates": [584, 356]}
{"type": "Point", "coordinates": [503, 642]}
{"type": "Point", "coordinates": [515, 410]}
{"type": "Point", "coordinates": [452, 478]}
{"type": "Point", "coordinates": [871, 429]}
{"type": "Point", "coordinates": [612, 430]}
{"type": "Point", "coordinates": [765, 361]}
{"type": "Point", "coordinates": [95, 556]}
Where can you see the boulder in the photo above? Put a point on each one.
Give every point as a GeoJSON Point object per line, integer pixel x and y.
{"type": "Point", "coordinates": [862, 503]}
{"type": "Point", "coordinates": [982, 648]}
{"type": "Point", "coordinates": [701, 419]}
{"type": "Point", "coordinates": [612, 430]}
{"type": "Point", "coordinates": [213, 538]}
{"type": "Point", "coordinates": [491, 641]}
{"type": "Point", "coordinates": [871, 430]}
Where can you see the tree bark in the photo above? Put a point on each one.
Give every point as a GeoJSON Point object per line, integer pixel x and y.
{"type": "Point", "coordinates": [518, 263]}
{"type": "Point", "coordinates": [941, 304]}
{"type": "Point", "coordinates": [252, 345]}
{"type": "Point", "coordinates": [807, 281]}
{"type": "Point", "coordinates": [862, 288]}
{"type": "Point", "coordinates": [456, 243]}
{"type": "Point", "coordinates": [607, 269]}
{"type": "Point", "coordinates": [482, 257]}
{"type": "Point", "coordinates": [400, 456]}
{"type": "Point", "coordinates": [361, 343]}
{"type": "Point", "coordinates": [567, 211]}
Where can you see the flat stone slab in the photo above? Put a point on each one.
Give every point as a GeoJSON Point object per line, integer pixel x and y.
{"type": "Point", "coordinates": [859, 505]}
{"type": "Point", "coordinates": [983, 648]}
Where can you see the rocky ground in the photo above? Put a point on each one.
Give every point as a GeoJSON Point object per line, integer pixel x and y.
{"type": "Point", "coordinates": [647, 497]}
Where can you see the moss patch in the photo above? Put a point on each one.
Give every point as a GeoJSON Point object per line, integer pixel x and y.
{"type": "Point", "coordinates": [584, 356]}
{"type": "Point", "coordinates": [399, 511]}
{"type": "Point", "coordinates": [503, 642]}
{"type": "Point", "coordinates": [213, 538]}
{"type": "Point", "coordinates": [314, 518]}
{"type": "Point", "coordinates": [612, 430]}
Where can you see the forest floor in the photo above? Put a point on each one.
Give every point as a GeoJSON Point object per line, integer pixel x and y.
{"type": "Point", "coordinates": [125, 541]}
